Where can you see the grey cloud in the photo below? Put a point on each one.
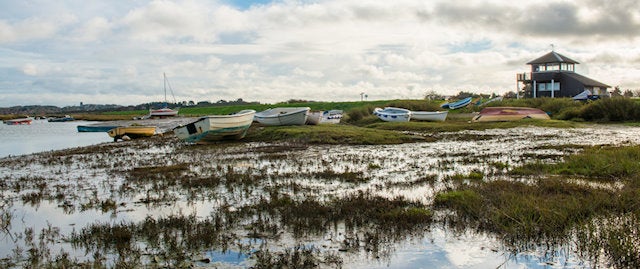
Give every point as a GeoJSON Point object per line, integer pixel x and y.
{"type": "Point", "coordinates": [560, 19]}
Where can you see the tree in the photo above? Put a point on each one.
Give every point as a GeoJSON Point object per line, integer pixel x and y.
{"type": "Point", "coordinates": [627, 93]}
{"type": "Point", "coordinates": [510, 94]}
{"type": "Point", "coordinates": [616, 92]}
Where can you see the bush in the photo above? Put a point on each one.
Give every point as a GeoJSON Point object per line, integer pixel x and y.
{"type": "Point", "coordinates": [611, 109]}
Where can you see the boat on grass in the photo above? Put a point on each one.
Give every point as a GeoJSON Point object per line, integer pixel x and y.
{"type": "Point", "coordinates": [509, 114]}
{"type": "Point", "coordinates": [19, 121]}
{"type": "Point", "coordinates": [324, 117]}
{"type": "Point", "coordinates": [457, 104]}
{"type": "Point", "coordinates": [95, 128]}
{"type": "Point", "coordinates": [283, 116]}
{"type": "Point", "coordinates": [216, 127]}
{"type": "Point", "coordinates": [131, 132]}
{"type": "Point", "coordinates": [429, 115]}
{"type": "Point", "coordinates": [392, 114]}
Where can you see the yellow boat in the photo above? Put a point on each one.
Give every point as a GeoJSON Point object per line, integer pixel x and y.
{"type": "Point", "coordinates": [131, 132]}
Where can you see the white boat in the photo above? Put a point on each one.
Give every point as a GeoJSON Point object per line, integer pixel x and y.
{"type": "Point", "coordinates": [429, 115]}
{"type": "Point", "coordinates": [165, 111]}
{"type": "Point", "coordinates": [216, 127]}
{"type": "Point", "coordinates": [283, 116]}
{"type": "Point", "coordinates": [324, 117]}
{"type": "Point", "coordinates": [392, 114]}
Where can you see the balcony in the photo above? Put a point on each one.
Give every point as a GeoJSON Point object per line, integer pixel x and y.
{"type": "Point", "coordinates": [524, 77]}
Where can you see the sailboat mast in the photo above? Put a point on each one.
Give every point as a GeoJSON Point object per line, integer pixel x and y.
{"type": "Point", "coordinates": [165, 88]}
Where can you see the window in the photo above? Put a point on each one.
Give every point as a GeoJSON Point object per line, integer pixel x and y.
{"type": "Point", "coordinates": [547, 86]}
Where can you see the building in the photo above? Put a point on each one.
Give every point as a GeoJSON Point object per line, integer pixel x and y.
{"type": "Point", "coordinates": [553, 75]}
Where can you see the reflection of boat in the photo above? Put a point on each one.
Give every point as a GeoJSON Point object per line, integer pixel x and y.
{"type": "Point", "coordinates": [429, 115]}
{"type": "Point", "coordinates": [95, 128]}
{"type": "Point", "coordinates": [131, 132]}
{"type": "Point", "coordinates": [392, 114]}
{"type": "Point", "coordinates": [457, 104]}
{"type": "Point", "coordinates": [19, 121]}
{"type": "Point", "coordinates": [165, 111]}
{"type": "Point", "coordinates": [321, 117]}
{"type": "Point", "coordinates": [509, 114]}
{"type": "Point", "coordinates": [62, 119]}
{"type": "Point", "coordinates": [216, 127]}
{"type": "Point", "coordinates": [283, 116]}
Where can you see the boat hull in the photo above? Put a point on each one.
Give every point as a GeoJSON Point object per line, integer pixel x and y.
{"type": "Point", "coordinates": [216, 127]}
{"type": "Point", "coordinates": [97, 128]}
{"type": "Point", "coordinates": [22, 121]}
{"type": "Point", "coordinates": [132, 132]}
{"type": "Point", "coordinates": [163, 112]}
{"type": "Point", "coordinates": [429, 115]}
{"type": "Point", "coordinates": [324, 117]}
{"type": "Point", "coordinates": [492, 114]}
{"type": "Point", "coordinates": [392, 114]}
{"type": "Point", "coordinates": [283, 116]}
{"type": "Point", "coordinates": [458, 104]}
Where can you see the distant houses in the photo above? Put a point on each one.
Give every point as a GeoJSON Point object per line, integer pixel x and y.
{"type": "Point", "coordinates": [553, 75]}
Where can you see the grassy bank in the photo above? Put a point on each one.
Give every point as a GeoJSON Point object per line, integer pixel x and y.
{"type": "Point", "coordinates": [592, 197]}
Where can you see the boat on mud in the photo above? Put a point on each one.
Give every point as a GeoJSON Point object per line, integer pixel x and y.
{"type": "Point", "coordinates": [216, 127]}
{"type": "Point", "coordinates": [19, 121]}
{"type": "Point", "coordinates": [131, 132]}
{"type": "Point", "coordinates": [95, 128]}
{"type": "Point", "coordinates": [429, 115]}
{"type": "Point", "coordinates": [61, 119]}
{"type": "Point", "coordinates": [324, 117]}
{"type": "Point", "coordinates": [283, 116]}
{"type": "Point", "coordinates": [392, 114]}
{"type": "Point", "coordinates": [457, 104]}
{"type": "Point", "coordinates": [490, 114]}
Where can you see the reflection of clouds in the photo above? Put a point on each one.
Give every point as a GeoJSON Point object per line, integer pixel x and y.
{"type": "Point", "coordinates": [392, 171]}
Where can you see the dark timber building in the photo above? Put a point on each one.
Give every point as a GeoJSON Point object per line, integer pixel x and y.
{"type": "Point", "coordinates": [553, 75]}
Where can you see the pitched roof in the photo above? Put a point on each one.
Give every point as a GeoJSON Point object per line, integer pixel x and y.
{"type": "Point", "coordinates": [553, 57]}
{"type": "Point", "coordinates": [585, 80]}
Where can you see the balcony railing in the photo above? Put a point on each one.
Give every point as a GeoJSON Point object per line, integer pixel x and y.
{"type": "Point", "coordinates": [524, 77]}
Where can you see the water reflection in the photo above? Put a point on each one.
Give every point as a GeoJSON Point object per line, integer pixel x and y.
{"type": "Point", "coordinates": [278, 196]}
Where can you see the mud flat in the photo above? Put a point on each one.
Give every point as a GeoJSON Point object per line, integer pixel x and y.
{"type": "Point", "coordinates": [160, 202]}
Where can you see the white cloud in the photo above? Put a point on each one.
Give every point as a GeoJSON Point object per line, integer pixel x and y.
{"type": "Point", "coordinates": [304, 50]}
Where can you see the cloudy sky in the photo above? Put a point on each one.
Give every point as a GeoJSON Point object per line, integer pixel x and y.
{"type": "Point", "coordinates": [65, 52]}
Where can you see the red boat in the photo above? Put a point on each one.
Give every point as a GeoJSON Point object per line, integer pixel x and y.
{"type": "Point", "coordinates": [510, 114]}
{"type": "Point", "coordinates": [20, 121]}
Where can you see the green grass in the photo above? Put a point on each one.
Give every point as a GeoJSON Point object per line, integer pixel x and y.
{"type": "Point", "coordinates": [329, 134]}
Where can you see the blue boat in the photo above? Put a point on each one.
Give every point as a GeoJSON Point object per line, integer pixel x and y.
{"type": "Point", "coordinates": [95, 128]}
{"type": "Point", "coordinates": [457, 104]}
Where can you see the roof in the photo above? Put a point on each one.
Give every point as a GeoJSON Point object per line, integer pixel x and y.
{"type": "Point", "coordinates": [585, 80]}
{"type": "Point", "coordinates": [553, 57]}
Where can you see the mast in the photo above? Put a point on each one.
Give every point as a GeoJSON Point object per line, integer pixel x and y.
{"type": "Point", "coordinates": [165, 88]}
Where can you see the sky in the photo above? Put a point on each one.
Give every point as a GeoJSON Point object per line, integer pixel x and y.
{"type": "Point", "coordinates": [65, 52]}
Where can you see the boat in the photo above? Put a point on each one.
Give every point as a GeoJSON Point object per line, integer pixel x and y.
{"type": "Point", "coordinates": [131, 132]}
{"type": "Point", "coordinates": [324, 117]}
{"type": "Point", "coordinates": [429, 115]}
{"type": "Point", "coordinates": [95, 128]}
{"type": "Point", "coordinates": [165, 111]}
{"type": "Point", "coordinates": [216, 127]}
{"type": "Point", "coordinates": [495, 99]}
{"type": "Point", "coordinates": [61, 119]}
{"type": "Point", "coordinates": [457, 104]}
{"type": "Point", "coordinates": [509, 114]}
{"type": "Point", "coordinates": [19, 121]}
{"type": "Point", "coordinates": [392, 114]}
{"type": "Point", "coordinates": [283, 116]}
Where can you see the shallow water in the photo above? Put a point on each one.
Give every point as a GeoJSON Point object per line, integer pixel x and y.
{"type": "Point", "coordinates": [42, 135]}
{"type": "Point", "coordinates": [79, 185]}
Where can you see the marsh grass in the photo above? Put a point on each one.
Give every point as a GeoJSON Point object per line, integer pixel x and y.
{"type": "Point", "coordinates": [554, 208]}
{"type": "Point", "coordinates": [330, 134]}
